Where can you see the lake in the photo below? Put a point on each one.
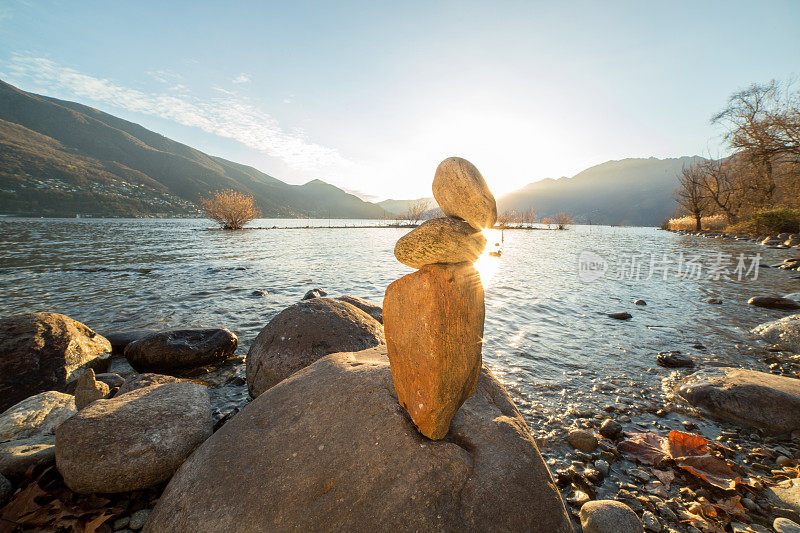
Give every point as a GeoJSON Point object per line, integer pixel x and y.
{"type": "Point", "coordinates": [547, 334]}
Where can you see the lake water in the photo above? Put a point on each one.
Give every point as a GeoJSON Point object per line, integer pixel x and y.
{"type": "Point", "coordinates": [547, 334]}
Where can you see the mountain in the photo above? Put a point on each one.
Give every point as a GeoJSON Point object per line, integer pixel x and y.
{"type": "Point", "coordinates": [400, 207]}
{"type": "Point", "coordinates": [61, 158]}
{"type": "Point", "coordinates": [633, 192]}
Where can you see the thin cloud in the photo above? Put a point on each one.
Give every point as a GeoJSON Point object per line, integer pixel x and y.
{"type": "Point", "coordinates": [224, 115]}
{"type": "Point", "coordinates": [241, 78]}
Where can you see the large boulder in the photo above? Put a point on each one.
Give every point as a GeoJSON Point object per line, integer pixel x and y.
{"type": "Point", "coordinates": [746, 397]}
{"type": "Point", "coordinates": [785, 332]}
{"type": "Point", "coordinates": [133, 441]}
{"type": "Point", "coordinates": [180, 349]}
{"type": "Point", "coordinates": [44, 351]}
{"type": "Point", "coordinates": [120, 339]}
{"type": "Point", "coordinates": [372, 309]}
{"type": "Point", "coordinates": [304, 332]}
{"type": "Point", "coordinates": [434, 335]}
{"type": "Point", "coordinates": [330, 449]}
{"type": "Point", "coordinates": [140, 381]}
{"type": "Point", "coordinates": [38, 415]}
{"type": "Point", "coordinates": [16, 456]}
{"type": "Point", "coordinates": [461, 192]}
{"type": "Point", "coordinates": [441, 240]}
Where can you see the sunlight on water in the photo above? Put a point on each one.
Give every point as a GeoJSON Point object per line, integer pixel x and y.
{"type": "Point", "coordinates": [487, 265]}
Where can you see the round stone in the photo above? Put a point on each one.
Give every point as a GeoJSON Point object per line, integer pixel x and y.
{"type": "Point", "coordinates": [441, 240]}
{"type": "Point", "coordinates": [462, 193]}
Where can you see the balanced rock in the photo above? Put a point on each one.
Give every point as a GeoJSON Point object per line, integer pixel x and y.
{"type": "Point", "coordinates": [747, 397]}
{"type": "Point", "coordinates": [330, 449]}
{"type": "Point", "coordinates": [89, 390]}
{"type": "Point", "coordinates": [38, 415]}
{"type": "Point", "coordinates": [134, 440]}
{"type": "Point", "coordinates": [774, 302]}
{"type": "Point", "coordinates": [43, 351]}
{"type": "Point", "coordinates": [440, 240]}
{"type": "Point", "coordinates": [175, 350]}
{"type": "Point", "coordinates": [461, 192]}
{"type": "Point", "coordinates": [140, 381]}
{"type": "Point", "coordinates": [785, 332]}
{"type": "Point", "coordinates": [609, 516]}
{"type": "Point", "coordinates": [434, 334]}
{"type": "Point", "coordinates": [304, 332]}
{"type": "Point", "coordinates": [372, 309]}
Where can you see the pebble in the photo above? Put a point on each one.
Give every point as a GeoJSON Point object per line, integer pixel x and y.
{"type": "Point", "coordinates": [138, 519]}
{"type": "Point", "coordinates": [784, 525]}
{"type": "Point", "coordinates": [608, 516]}
{"type": "Point", "coordinates": [639, 302]}
{"type": "Point", "coordinates": [602, 466]}
{"type": "Point", "coordinates": [665, 511]}
{"type": "Point", "coordinates": [578, 499]}
{"type": "Point", "coordinates": [782, 460]}
{"type": "Point", "coordinates": [610, 429]}
{"type": "Point", "coordinates": [620, 316]}
{"type": "Point", "coordinates": [639, 474]}
{"type": "Point", "coordinates": [582, 440]}
{"type": "Point", "coordinates": [650, 522]}
{"type": "Point", "coordinates": [121, 523]}
{"type": "Point", "coordinates": [674, 359]}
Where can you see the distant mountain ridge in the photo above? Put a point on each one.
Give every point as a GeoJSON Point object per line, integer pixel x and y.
{"type": "Point", "coordinates": [60, 158]}
{"type": "Point", "coordinates": [633, 192]}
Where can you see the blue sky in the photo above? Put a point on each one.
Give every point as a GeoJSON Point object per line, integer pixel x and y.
{"type": "Point", "coordinates": [371, 96]}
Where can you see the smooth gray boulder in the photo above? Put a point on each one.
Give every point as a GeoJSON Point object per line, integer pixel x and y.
{"type": "Point", "coordinates": [461, 192]}
{"type": "Point", "coordinates": [134, 440]}
{"type": "Point", "coordinates": [45, 351]}
{"type": "Point", "coordinates": [16, 456]}
{"type": "Point", "coordinates": [746, 397]}
{"type": "Point", "coordinates": [774, 302]}
{"type": "Point", "coordinates": [38, 415]}
{"type": "Point", "coordinates": [440, 240]}
{"type": "Point", "coordinates": [330, 449]}
{"type": "Point", "coordinates": [372, 309]}
{"type": "Point", "coordinates": [609, 516]}
{"type": "Point", "coordinates": [785, 331]}
{"type": "Point", "coordinates": [171, 351]}
{"type": "Point", "coordinates": [303, 333]}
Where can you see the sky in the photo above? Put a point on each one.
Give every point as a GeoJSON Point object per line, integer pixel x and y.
{"type": "Point", "coordinates": [370, 96]}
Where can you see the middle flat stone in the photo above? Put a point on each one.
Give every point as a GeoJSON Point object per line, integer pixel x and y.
{"type": "Point", "coordinates": [440, 240]}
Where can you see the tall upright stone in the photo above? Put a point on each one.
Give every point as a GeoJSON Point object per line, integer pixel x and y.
{"type": "Point", "coordinates": [433, 321]}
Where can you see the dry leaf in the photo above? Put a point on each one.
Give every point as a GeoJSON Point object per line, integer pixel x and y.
{"type": "Point", "coordinates": [649, 448]}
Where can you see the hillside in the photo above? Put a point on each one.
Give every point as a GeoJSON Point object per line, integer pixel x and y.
{"type": "Point", "coordinates": [62, 158]}
{"type": "Point", "coordinates": [635, 192]}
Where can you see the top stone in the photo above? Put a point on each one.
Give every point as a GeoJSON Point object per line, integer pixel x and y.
{"type": "Point", "coordinates": [461, 192]}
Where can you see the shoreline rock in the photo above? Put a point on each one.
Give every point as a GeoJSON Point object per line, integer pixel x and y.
{"type": "Point", "coordinates": [784, 332]}
{"type": "Point", "coordinates": [329, 448]}
{"type": "Point", "coordinates": [172, 351]}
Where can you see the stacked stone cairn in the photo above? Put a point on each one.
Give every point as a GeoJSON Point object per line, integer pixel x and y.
{"type": "Point", "coordinates": [433, 318]}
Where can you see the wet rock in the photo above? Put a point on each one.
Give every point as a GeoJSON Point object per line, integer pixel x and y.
{"type": "Point", "coordinates": [650, 522]}
{"type": "Point", "coordinates": [609, 516]}
{"type": "Point", "coordinates": [785, 332]}
{"type": "Point", "coordinates": [461, 192]}
{"type": "Point", "coordinates": [6, 490]}
{"type": "Point", "coordinates": [603, 467]}
{"type": "Point", "coordinates": [37, 415]}
{"type": "Point", "coordinates": [434, 334]}
{"type": "Point", "coordinates": [746, 397]}
{"type": "Point", "coordinates": [305, 332]}
{"type": "Point", "coordinates": [120, 339]}
{"type": "Point", "coordinates": [782, 461]}
{"type": "Point", "coordinates": [139, 381]}
{"type": "Point", "coordinates": [578, 499]}
{"type": "Point", "coordinates": [620, 316]}
{"type": "Point", "coordinates": [315, 293]}
{"type": "Point", "coordinates": [774, 302]}
{"type": "Point", "coordinates": [611, 429]}
{"type": "Point", "coordinates": [330, 449]}
{"type": "Point", "coordinates": [583, 440]}
{"type": "Point", "coordinates": [639, 302]}
{"type": "Point", "coordinates": [674, 359]}
{"type": "Point", "coordinates": [372, 309]}
{"type": "Point", "coordinates": [714, 301]}
{"type": "Point", "coordinates": [89, 390]}
{"type": "Point", "coordinates": [784, 525]}
{"type": "Point", "coordinates": [172, 351]}
{"type": "Point", "coordinates": [441, 240]}
{"type": "Point", "coordinates": [16, 456]}
{"type": "Point", "coordinates": [43, 351]}
{"type": "Point", "coordinates": [132, 441]}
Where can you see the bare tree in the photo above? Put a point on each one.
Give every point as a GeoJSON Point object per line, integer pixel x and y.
{"type": "Point", "coordinates": [528, 217]}
{"type": "Point", "coordinates": [231, 209]}
{"type": "Point", "coordinates": [548, 221]}
{"type": "Point", "coordinates": [562, 220]}
{"type": "Point", "coordinates": [415, 211]}
{"type": "Point", "coordinates": [722, 188]}
{"type": "Point", "coordinates": [691, 194]}
{"type": "Point", "coordinates": [508, 218]}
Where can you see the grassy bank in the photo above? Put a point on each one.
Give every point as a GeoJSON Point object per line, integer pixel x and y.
{"type": "Point", "coordinates": [764, 222]}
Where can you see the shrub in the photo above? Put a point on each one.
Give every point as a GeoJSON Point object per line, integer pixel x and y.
{"type": "Point", "coordinates": [231, 209]}
{"type": "Point", "coordinates": [715, 222]}
{"type": "Point", "coordinates": [780, 220]}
